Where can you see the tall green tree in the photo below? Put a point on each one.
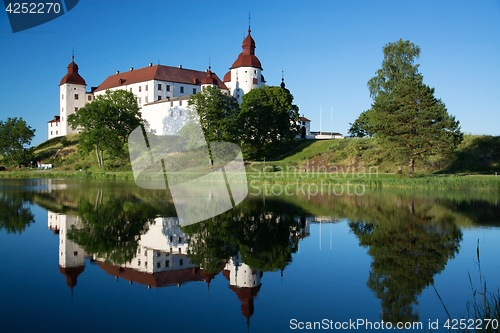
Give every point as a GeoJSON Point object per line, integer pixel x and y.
{"type": "Point", "coordinates": [15, 135]}
{"type": "Point", "coordinates": [397, 66]}
{"type": "Point", "coordinates": [106, 122]}
{"type": "Point", "coordinates": [413, 124]}
{"type": "Point", "coordinates": [268, 120]}
{"type": "Point", "coordinates": [215, 112]}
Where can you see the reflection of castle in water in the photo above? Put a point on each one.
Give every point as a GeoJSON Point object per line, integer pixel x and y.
{"type": "Point", "coordinates": [161, 260]}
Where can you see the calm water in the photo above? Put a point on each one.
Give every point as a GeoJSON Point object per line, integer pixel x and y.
{"type": "Point", "coordinates": [93, 256]}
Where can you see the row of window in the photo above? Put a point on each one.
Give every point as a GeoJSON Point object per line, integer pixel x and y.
{"type": "Point", "coordinates": [57, 132]}
{"type": "Point", "coordinates": [160, 88]}
{"type": "Point", "coordinates": [89, 97]}
{"type": "Point", "coordinates": [158, 264]}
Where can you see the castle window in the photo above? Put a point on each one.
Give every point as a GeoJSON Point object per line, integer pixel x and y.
{"type": "Point", "coordinates": [62, 109]}
{"type": "Point", "coordinates": [50, 132]}
{"type": "Point", "coordinates": [75, 253]}
{"type": "Point", "coordinates": [171, 104]}
{"type": "Point", "coordinates": [180, 113]}
{"type": "Point", "coordinates": [140, 100]}
{"type": "Point", "coordinates": [57, 132]}
{"type": "Point", "coordinates": [140, 88]}
{"type": "Point", "coordinates": [168, 87]}
{"type": "Point", "coordinates": [139, 262]}
{"type": "Point", "coordinates": [76, 96]}
{"type": "Point", "coordinates": [158, 254]}
{"type": "Point", "coordinates": [90, 97]}
{"type": "Point", "coordinates": [181, 262]}
{"type": "Point", "coordinates": [145, 264]}
{"type": "Point", "coordinates": [159, 98]}
{"type": "Point", "coordinates": [171, 238]}
{"type": "Point", "coordinates": [180, 250]}
{"type": "Point", "coordinates": [62, 96]}
{"type": "Point", "coordinates": [182, 90]}
{"type": "Point", "coordinates": [51, 124]}
{"type": "Point", "coordinates": [146, 97]}
{"type": "Point", "coordinates": [130, 89]}
{"type": "Point", "coordinates": [158, 265]}
{"type": "Point", "coordinates": [159, 86]}
{"type": "Point", "coordinates": [194, 91]}
{"type": "Point", "coordinates": [180, 239]}
{"type": "Point", "coordinates": [146, 87]}
{"type": "Point", "coordinates": [180, 103]}
{"type": "Point", "coordinates": [76, 108]}
{"type": "Point", "coordinates": [167, 263]}
{"type": "Point", "coordinates": [171, 115]}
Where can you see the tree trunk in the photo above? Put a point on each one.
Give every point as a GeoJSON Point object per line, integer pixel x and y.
{"type": "Point", "coordinates": [102, 161]}
{"type": "Point", "coordinates": [97, 155]}
{"type": "Point", "coordinates": [411, 165]}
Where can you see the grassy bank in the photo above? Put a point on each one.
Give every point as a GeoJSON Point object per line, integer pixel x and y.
{"type": "Point", "coordinates": [322, 162]}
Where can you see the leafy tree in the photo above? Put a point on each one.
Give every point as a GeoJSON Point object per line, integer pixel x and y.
{"type": "Point", "coordinates": [111, 230]}
{"type": "Point", "coordinates": [268, 120]}
{"type": "Point", "coordinates": [413, 124]}
{"type": "Point", "coordinates": [15, 135]}
{"type": "Point", "coordinates": [215, 112]}
{"type": "Point", "coordinates": [398, 65]}
{"type": "Point", "coordinates": [406, 256]}
{"type": "Point", "coordinates": [361, 127]}
{"type": "Point", "coordinates": [15, 215]}
{"type": "Point", "coordinates": [106, 122]}
{"type": "Point", "coordinates": [406, 117]}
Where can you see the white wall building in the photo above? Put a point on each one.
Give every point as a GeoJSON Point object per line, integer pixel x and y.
{"type": "Point", "coordinates": [162, 92]}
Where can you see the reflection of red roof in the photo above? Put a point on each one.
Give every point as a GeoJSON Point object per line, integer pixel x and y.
{"type": "Point", "coordinates": [247, 58]}
{"type": "Point", "coordinates": [72, 76]}
{"type": "Point", "coordinates": [55, 120]}
{"type": "Point", "coordinates": [161, 279]}
{"type": "Point", "coordinates": [71, 274]}
{"type": "Point", "coordinates": [157, 72]}
{"type": "Point", "coordinates": [304, 119]}
{"type": "Point", "coordinates": [227, 274]}
{"type": "Point", "coordinates": [246, 296]}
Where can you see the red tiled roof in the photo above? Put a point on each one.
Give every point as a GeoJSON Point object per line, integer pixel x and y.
{"type": "Point", "coordinates": [157, 72]}
{"type": "Point", "coordinates": [208, 79]}
{"type": "Point", "coordinates": [55, 120]}
{"type": "Point", "coordinates": [161, 279]}
{"type": "Point", "coordinates": [247, 58]}
{"type": "Point", "coordinates": [227, 77]}
{"type": "Point", "coordinates": [262, 78]}
{"type": "Point", "coordinates": [304, 119]}
{"type": "Point", "coordinates": [72, 76]}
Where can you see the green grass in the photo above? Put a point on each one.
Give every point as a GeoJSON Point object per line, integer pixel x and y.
{"type": "Point", "coordinates": [337, 161]}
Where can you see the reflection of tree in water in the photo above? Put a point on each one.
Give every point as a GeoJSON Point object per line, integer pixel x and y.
{"type": "Point", "coordinates": [14, 215]}
{"type": "Point", "coordinates": [265, 239]}
{"type": "Point", "coordinates": [111, 230]}
{"type": "Point", "coordinates": [406, 256]}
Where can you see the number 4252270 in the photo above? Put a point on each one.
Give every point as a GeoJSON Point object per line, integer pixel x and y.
{"type": "Point", "coordinates": [33, 8]}
{"type": "Point", "coordinates": [476, 324]}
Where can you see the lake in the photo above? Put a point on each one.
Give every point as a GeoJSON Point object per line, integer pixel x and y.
{"type": "Point", "coordinates": [95, 256]}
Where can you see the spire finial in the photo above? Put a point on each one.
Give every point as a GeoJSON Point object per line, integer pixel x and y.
{"type": "Point", "coordinates": [248, 21]}
{"type": "Point", "coordinates": [73, 54]}
{"type": "Point", "coordinates": [209, 67]}
{"type": "Point", "coordinates": [282, 75]}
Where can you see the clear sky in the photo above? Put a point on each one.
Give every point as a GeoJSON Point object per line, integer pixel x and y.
{"type": "Point", "coordinates": [328, 51]}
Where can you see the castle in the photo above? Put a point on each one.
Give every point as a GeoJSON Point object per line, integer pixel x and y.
{"type": "Point", "coordinates": [163, 92]}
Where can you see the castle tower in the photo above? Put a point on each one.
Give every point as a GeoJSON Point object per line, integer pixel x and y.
{"type": "Point", "coordinates": [246, 72]}
{"type": "Point", "coordinates": [244, 282]}
{"type": "Point", "coordinates": [72, 96]}
{"type": "Point", "coordinates": [71, 255]}
{"type": "Point", "coordinates": [209, 80]}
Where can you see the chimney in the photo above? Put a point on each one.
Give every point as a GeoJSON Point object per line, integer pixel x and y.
{"type": "Point", "coordinates": [150, 64]}
{"type": "Point", "coordinates": [117, 72]}
{"type": "Point", "coordinates": [131, 68]}
{"type": "Point", "coordinates": [180, 66]}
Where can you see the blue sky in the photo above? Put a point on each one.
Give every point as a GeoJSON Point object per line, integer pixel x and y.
{"type": "Point", "coordinates": [328, 51]}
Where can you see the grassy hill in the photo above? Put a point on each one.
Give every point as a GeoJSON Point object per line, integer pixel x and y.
{"type": "Point", "coordinates": [476, 155]}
